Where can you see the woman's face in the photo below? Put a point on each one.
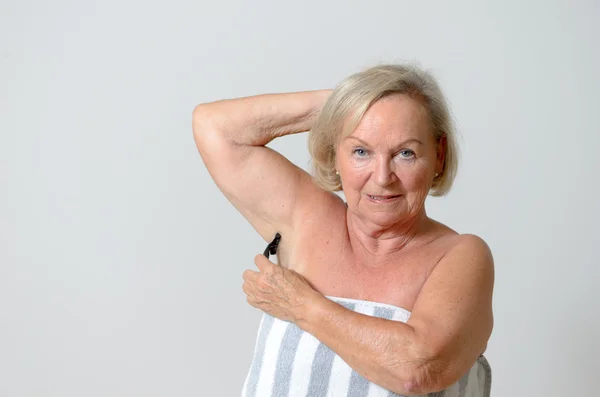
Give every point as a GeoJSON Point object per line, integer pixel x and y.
{"type": "Point", "coordinates": [388, 163]}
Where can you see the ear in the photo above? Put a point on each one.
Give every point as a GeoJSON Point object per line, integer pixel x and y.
{"type": "Point", "coordinates": [441, 153]}
{"type": "Point", "coordinates": [336, 166]}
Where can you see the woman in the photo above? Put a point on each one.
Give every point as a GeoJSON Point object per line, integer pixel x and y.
{"type": "Point", "coordinates": [370, 297]}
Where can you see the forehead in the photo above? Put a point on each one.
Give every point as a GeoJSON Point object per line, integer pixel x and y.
{"type": "Point", "coordinates": [395, 115]}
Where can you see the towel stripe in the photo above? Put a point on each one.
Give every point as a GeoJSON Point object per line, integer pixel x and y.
{"type": "Point", "coordinates": [462, 384]}
{"type": "Point", "coordinates": [441, 393]}
{"type": "Point", "coordinates": [340, 378]}
{"type": "Point", "coordinates": [285, 361]}
{"type": "Point", "coordinates": [266, 377]}
{"type": "Point", "coordinates": [252, 381]}
{"type": "Point", "coordinates": [302, 366]}
{"type": "Point", "coordinates": [383, 312]}
{"type": "Point", "coordinates": [348, 305]}
{"type": "Point", "coordinates": [485, 374]}
{"type": "Point", "coordinates": [321, 371]}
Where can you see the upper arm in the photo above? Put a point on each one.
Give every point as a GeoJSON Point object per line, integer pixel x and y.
{"type": "Point", "coordinates": [452, 316]}
{"type": "Point", "coordinates": [266, 188]}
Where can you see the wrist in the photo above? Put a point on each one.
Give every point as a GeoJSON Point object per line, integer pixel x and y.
{"type": "Point", "coordinates": [314, 310]}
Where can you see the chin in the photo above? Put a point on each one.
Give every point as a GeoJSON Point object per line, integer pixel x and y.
{"type": "Point", "coordinates": [384, 219]}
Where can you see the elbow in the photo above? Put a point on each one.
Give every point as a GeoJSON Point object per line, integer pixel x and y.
{"type": "Point", "coordinates": [424, 373]}
{"type": "Point", "coordinates": [202, 119]}
{"type": "Point", "coordinates": [417, 382]}
{"type": "Point", "coordinates": [208, 138]}
{"type": "Point", "coordinates": [202, 112]}
{"type": "Point", "coordinates": [210, 128]}
{"type": "Point", "coordinates": [207, 131]}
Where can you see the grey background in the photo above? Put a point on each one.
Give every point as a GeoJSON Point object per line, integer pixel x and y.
{"type": "Point", "coordinates": [120, 261]}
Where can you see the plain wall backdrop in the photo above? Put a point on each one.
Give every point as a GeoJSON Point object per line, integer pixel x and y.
{"type": "Point", "coordinates": [121, 262]}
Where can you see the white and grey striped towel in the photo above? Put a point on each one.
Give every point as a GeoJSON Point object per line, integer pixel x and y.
{"type": "Point", "coordinates": [289, 362]}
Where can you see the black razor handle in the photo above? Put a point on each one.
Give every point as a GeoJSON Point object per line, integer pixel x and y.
{"type": "Point", "coordinates": [272, 247]}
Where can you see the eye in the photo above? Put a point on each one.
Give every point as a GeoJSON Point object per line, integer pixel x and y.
{"type": "Point", "coordinates": [360, 152]}
{"type": "Point", "coordinates": [406, 153]}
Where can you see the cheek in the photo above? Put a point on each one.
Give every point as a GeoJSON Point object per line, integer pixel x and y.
{"type": "Point", "coordinates": [415, 179]}
{"type": "Point", "coordinates": [355, 180]}
{"type": "Point", "coordinates": [356, 172]}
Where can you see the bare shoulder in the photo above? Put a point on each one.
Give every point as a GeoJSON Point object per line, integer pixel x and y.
{"type": "Point", "coordinates": [467, 255]}
{"type": "Point", "coordinates": [453, 244]}
{"type": "Point", "coordinates": [468, 263]}
{"type": "Point", "coordinates": [471, 248]}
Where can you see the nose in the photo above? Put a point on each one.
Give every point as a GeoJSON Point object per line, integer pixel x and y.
{"type": "Point", "coordinates": [383, 173]}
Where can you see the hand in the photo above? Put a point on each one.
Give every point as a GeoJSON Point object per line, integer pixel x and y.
{"type": "Point", "coordinates": [278, 291]}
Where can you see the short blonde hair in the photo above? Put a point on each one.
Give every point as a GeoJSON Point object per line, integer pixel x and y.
{"type": "Point", "coordinates": [355, 95]}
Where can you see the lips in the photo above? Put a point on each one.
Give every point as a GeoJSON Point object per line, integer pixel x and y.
{"type": "Point", "coordinates": [383, 197]}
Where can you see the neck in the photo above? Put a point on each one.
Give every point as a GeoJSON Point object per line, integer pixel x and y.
{"type": "Point", "coordinates": [374, 245]}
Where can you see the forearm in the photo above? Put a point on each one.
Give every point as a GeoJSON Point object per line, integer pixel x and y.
{"type": "Point", "coordinates": [383, 351]}
{"type": "Point", "coordinates": [257, 120]}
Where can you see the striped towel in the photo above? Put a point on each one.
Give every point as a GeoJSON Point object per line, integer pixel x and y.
{"type": "Point", "coordinates": [289, 362]}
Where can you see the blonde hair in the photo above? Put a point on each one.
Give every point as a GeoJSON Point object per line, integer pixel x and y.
{"type": "Point", "coordinates": [355, 95]}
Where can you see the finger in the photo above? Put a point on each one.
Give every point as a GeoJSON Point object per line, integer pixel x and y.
{"type": "Point", "coordinates": [251, 301]}
{"type": "Point", "coordinates": [247, 288]}
{"type": "Point", "coordinates": [263, 263]}
{"type": "Point", "coordinates": [250, 275]}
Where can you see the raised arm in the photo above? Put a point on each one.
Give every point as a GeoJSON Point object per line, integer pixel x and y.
{"type": "Point", "coordinates": [267, 189]}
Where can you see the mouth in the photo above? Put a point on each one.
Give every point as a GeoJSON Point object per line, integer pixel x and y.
{"type": "Point", "coordinates": [383, 199]}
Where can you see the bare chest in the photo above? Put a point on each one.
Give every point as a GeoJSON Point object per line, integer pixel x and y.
{"type": "Point", "coordinates": [325, 258]}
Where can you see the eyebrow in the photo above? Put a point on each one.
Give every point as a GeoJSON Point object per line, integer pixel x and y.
{"type": "Point", "coordinates": [400, 144]}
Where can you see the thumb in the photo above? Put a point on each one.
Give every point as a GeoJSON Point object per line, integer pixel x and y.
{"type": "Point", "coordinates": [263, 263]}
